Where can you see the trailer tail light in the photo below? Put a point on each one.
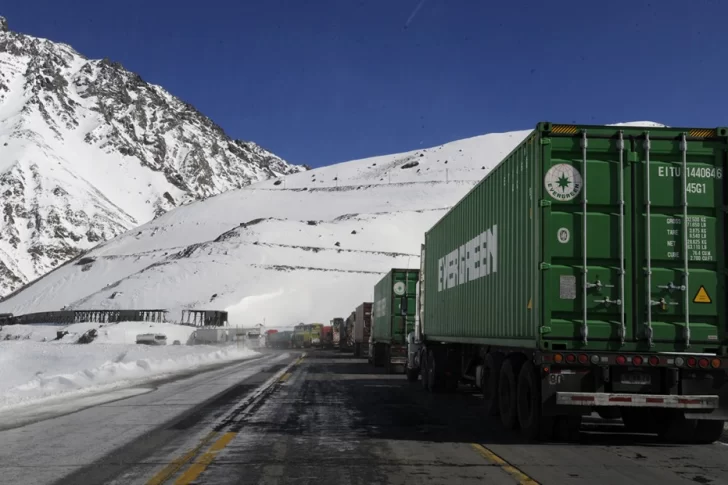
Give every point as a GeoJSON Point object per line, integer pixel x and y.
{"type": "Point", "coordinates": [654, 360]}
{"type": "Point", "coordinates": [692, 361]}
{"type": "Point", "coordinates": [703, 363]}
{"type": "Point", "coordinates": [558, 358]}
{"type": "Point", "coordinates": [715, 363]}
{"type": "Point", "coordinates": [637, 360]}
{"type": "Point", "coordinates": [583, 359]}
{"type": "Point", "coordinates": [570, 358]}
{"type": "Point", "coordinates": [621, 359]}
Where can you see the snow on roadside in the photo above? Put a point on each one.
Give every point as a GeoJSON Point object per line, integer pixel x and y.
{"type": "Point", "coordinates": [33, 370]}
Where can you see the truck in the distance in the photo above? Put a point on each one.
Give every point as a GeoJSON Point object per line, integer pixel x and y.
{"type": "Point", "coordinates": [362, 328]}
{"type": "Point", "coordinates": [586, 272]}
{"type": "Point", "coordinates": [336, 325]}
{"type": "Point", "coordinates": [327, 337]}
{"type": "Point", "coordinates": [393, 317]}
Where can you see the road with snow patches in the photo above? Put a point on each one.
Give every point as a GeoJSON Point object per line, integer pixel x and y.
{"type": "Point", "coordinates": [323, 417]}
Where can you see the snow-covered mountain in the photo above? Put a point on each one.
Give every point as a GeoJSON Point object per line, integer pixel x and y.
{"type": "Point", "coordinates": [89, 150]}
{"type": "Point", "coordinates": [306, 247]}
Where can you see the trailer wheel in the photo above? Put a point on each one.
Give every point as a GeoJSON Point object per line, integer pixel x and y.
{"type": "Point", "coordinates": [507, 394]}
{"type": "Point", "coordinates": [489, 383]}
{"type": "Point", "coordinates": [425, 370]}
{"type": "Point", "coordinates": [534, 426]}
{"type": "Point", "coordinates": [387, 358]}
{"type": "Point", "coordinates": [434, 371]}
{"type": "Point", "coordinates": [707, 431]}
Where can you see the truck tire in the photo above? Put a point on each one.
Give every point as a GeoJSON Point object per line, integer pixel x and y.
{"type": "Point", "coordinates": [434, 370]}
{"type": "Point", "coordinates": [424, 370]}
{"type": "Point", "coordinates": [387, 358]}
{"type": "Point", "coordinates": [489, 382]}
{"type": "Point", "coordinates": [507, 394]}
{"type": "Point", "coordinates": [707, 431]}
{"type": "Point", "coordinates": [534, 426]}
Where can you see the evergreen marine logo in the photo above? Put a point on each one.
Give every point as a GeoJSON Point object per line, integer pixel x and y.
{"type": "Point", "coordinates": [563, 182]}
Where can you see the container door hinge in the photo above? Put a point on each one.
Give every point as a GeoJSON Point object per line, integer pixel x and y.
{"type": "Point", "coordinates": [544, 330]}
{"type": "Point", "coordinates": [544, 203]}
{"type": "Point", "coordinates": [544, 266]}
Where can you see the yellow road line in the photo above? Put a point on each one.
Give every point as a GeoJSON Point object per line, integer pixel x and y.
{"type": "Point", "coordinates": [204, 461]}
{"type": "Point", "coordinates": [169, 470]}
{"type": "Point", "coordinates": [284, 377]}
{"type": "Point", "coordinates": [521, 477]}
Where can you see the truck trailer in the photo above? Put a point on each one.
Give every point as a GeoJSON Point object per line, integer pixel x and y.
{"type": "Point", "coordinates": [393, 317]}
{"type": "Point", "coordinates": [362, 328]}
{"type": "Point", "coordinates": [586, 272]}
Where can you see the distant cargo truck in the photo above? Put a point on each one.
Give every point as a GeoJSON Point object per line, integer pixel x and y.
{"type": "Point", "coordinates": [327, 337]}
{"type": "Point", "coordinates": [393, 317]}
{"type": "Point", "coordinates": [337, 324]}
{"type": "Point", "coordinates": [586, 272]}
{"type": "Point", "coordinates": [346, 341]}
{"type": "Point", "coordinates": [316, 335]}
{"type": "Point", "coordinates": [362, 328]}
{"type": "Point", "coordinates": [280, 340]}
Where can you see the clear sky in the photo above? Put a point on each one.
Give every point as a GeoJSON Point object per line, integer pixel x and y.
{"type": "Point", "coordinates": [324, 81]}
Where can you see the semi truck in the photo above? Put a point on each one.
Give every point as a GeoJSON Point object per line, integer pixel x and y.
{"type": "Point", "coordinates": [346, 339]}
{"type": "Point", "coordinates": [327, 337]}
{"type": "Point", "coordinates": [280, 340]}
{"type": "Point", "coordinates": [393, 318]}
{"type": "Point", "coordinates": [336, 325]}
{"type": "Point", "coordinates": [316, 335]}
{"type": "Point", "coordinates": [362, 328]}
{"type": "Point", "coordinates": [298, 340]}
{"type": "Point", "coordinates": [586, 272]}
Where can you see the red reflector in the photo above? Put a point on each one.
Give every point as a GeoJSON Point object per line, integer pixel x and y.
{"type": "Point", "coordinates": [621, 360]}
{"type": "Point", "coordinates": [571, 358]}
{"type": "Point", "coordinates": [548, 358]}
{"type": "Point", "coordinates": [583, 359]}
{"type": "Point", "coordinates": [582, 398]}
{"type": "Point", "coordinates": [637, 360]}
{"type": "Point", "coordinates": [703, 363]}
{"type": "Point", "coordinates": [692, 361]}
{"type": "Point", "coordinates": [654, 360]}
{"type": "Point", "coordinates": [620, 399]}
{"type": "Point", "coordinates": [689, 401]}
{"type": "Point", "coordinates": [654, 400]}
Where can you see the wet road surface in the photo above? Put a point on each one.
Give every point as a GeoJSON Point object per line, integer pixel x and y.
{"type": "Point", "coordinates": [326, 417]}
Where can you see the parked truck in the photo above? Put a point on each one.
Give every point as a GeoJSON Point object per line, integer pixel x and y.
{"type": "Point", "coordinates": [316, 335]}
{"type": "Point", "coordinates": [327, 337]}
{"type": "Point", "coordinates": [336, 325]}
{"type": "Point", "coordinates": [280, 340]}
{"type": "Point", "coordinates": [393, 317]}
{"type": "Point", "coordinates": [298, 340]}
{"type": "Point", "coordinates": [567, 281]}
{"type": "Point", "coordinates": [362, 328]}
{"type": "Point", "coordinates": [346, 339]}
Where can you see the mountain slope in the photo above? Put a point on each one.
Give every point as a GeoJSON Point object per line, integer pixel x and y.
{"type": "Point", "coordinates": [304, 248]}
{"type": "Point", "coordinates": [89, 150]}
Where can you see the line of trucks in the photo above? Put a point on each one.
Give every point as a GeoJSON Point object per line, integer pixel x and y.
{"type": "Point", "coordinates": [585, 273]}
{"type": "Point", "coordinates": [351, 333]}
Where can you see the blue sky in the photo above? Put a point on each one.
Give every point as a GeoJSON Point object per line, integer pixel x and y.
{"type": "Point", "coordinates": [324, 81]}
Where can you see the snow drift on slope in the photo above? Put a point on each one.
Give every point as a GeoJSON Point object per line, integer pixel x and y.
{"type": "Point", "coordinates": [308, 248]}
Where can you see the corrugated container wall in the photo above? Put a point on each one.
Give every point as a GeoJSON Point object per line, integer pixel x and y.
{"type": "Point", "coordinates": [506, 264]}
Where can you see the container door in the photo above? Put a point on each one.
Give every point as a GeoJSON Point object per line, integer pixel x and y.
{"type": "Point", "coordinates": [585, 188]}
{"type": "Point", "coordinates": [404, 290]}
{"type": "Point", "coordinates": [681, 242]}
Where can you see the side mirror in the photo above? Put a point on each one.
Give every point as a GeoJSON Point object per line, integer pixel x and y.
{"type": "Point", "coordinates": [403, 306]}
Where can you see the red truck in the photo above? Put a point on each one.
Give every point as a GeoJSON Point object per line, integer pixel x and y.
{"type": "Point", "coordinates": [327, 337]}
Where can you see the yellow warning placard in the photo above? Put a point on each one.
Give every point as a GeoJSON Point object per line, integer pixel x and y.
{"type": "Point", "coordinates": [702, 296]}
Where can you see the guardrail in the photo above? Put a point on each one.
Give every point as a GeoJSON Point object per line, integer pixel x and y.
{"type": "Point", "coordinates": [196, 318]}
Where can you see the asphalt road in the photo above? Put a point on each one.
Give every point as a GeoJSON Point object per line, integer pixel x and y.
{"type": "Point", "coordinates": [326, 418]}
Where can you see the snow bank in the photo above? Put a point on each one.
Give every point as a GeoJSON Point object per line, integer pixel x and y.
{"type": "Point", "coordinates": [33, 370]}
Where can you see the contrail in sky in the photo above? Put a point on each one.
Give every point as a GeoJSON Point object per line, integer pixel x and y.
{"type": "Point", "coordinates": [414, 12]}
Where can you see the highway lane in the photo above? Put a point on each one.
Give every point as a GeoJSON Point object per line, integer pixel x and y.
{"type": "Point", "coordinates": [55, 446]}
{"type": "Point", "coordinates": [329, 418]}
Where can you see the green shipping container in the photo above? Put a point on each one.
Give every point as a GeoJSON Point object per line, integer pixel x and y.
{"type": "Point", "coordinates": [388, 324]}
{"type": "Point", "coordinates": [505, 266]}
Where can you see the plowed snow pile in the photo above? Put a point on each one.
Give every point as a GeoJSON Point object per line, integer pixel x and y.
{"type": "Point", "coordinates": [33, 370]}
